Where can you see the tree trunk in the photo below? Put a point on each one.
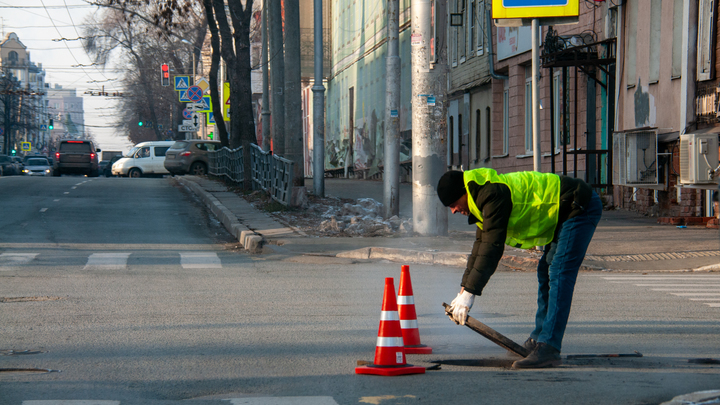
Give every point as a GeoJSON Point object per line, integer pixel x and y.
{"type": "Point", "coordinates": [217, 103]}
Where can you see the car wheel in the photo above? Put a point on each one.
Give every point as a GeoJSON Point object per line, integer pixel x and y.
{"type": "Point", "coordinates": [134, 172]}
{"type": "Point", "coordinates": [198, 169]}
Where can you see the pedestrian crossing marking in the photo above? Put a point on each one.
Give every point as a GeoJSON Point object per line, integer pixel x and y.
{"type": "Point", "coordinates": [691, 287]}
{"type": "Point", "coordinates": [12, 259]}
{"type": "Point", "coordinates": [70, 402]}
{"type": "Point", "coordinates": [107, 261]}
{"type": "Point", "coordinates": [200, 260]}
{"type": "Point", "coordinates": [283, 401]}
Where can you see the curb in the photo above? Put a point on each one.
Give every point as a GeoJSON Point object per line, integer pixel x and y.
{"type": "Point", "coordinates": [440, 258]}
{"type": "Point", "coordinates": [251, 241]}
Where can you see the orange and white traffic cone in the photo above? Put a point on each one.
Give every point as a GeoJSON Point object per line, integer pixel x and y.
{"type": "Point", "coordinates": [389, 350]}
{"type": "Point", "coordinates": [408, 316]}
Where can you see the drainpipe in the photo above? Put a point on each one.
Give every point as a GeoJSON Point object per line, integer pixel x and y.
{"type": "Point", "coordinates": [493, 73]}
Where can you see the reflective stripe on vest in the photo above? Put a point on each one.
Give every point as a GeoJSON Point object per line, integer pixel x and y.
{"type": "Point", "coordinates": [535, 204]}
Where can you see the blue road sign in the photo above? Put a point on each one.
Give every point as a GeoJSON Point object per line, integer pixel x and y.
{"type": "Point", "coordinates": [184, 97]}
{"type": "Point", "coordinates": [195, 93]}
{"type": "Point", "coordinates": [182, 82]}
{"type": "Point", "coordinates": [210, 118]}
{"type": "Point", "coordinates": [187, 114]}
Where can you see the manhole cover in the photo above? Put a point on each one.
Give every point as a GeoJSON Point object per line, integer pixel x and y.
{"type": "Point", "coordinates": [29, 299]}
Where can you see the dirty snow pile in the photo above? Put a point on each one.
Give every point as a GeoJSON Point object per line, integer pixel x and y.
{"type": "Point", "coordinates": [362, 219]}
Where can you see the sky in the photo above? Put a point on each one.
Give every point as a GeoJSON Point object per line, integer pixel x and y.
{"type": "Point", "coordinates": [40, 24]}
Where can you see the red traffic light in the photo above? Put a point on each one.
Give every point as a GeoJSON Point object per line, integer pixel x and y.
{"type": "Point", "coordinates": [165, 79]}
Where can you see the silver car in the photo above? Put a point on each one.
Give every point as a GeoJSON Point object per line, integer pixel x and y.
{"type": "Point", "coordinates": [190, 156]}
{"type": "Point", "coordinates": [37, 166]}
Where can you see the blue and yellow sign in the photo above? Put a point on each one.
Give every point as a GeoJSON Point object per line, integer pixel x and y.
{"type": "Point", "coordinates": [534, 8]}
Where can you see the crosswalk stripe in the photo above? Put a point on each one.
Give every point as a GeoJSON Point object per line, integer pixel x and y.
{"type": "Point", "coordinates": [713, 304]}
{"type": "Point", "coordinates": [691, 294]}
{"type": "Point", "coordinates": [200, 260]}
{"type": "Point", "coordinates": [12, 259]}
{"type": "Point", "coordinates": [685, 289]}
{"type": "Point", "coordinates": [283, 401]}
{"type": "Point", "coordinates": [664, 278]}
{"type": "Point", "coordinates": [70, 402]}
{"type": "Point", "coordinates": [107, 261]}
{"type": "Point", "coordinates": [678, 285]}
{"type": "Point", "coordinates": [704, 299]}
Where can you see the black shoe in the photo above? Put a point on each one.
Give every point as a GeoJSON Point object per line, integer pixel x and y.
{"type": "Point", "coordinates": [529, 345]}
{"type": "Point", "coordinates": [542, 356]}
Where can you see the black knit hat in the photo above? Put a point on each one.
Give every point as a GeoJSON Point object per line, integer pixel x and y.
{"type": "Point", "coordinates": [451, 187]}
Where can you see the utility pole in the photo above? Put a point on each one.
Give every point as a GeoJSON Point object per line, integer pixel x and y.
{"type": "Point", "coordinates": [535, 96]}
{"type": "Point", "coordinates": [318, 106]}
{"type": "Point", "coordinates": [293, 97]}
{"type": "Point", "coordinates": [428, 50]}
{"type": "Point", "coordinates": [266, 82]}
{"type": "Point", "coordinates": [277, 60]}
{"type": "Point", "coordinates": [391, 177]}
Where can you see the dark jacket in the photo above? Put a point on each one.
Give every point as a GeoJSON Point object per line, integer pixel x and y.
{"type": "Point", "coordinates": [495, 203]}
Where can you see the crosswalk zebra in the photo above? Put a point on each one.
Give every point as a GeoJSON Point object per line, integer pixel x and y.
{"type": "Point", "coordinates": [704, 289]}
{"type": "Point", "coordinates": [316, 400]}
{"type": "Point", "coordinates": [116, 260]}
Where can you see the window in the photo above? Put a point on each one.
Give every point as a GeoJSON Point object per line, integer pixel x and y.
{"type": "Point", "coordinates": [655, 29]}
{"type": "Point", "coordinates": [706, 21]}
{"type": "Point", "coordinates": [161, 150]}
{"type": "Point", "coordinates": [506, 118]}
{"type": "Point", "coordinates": [632, 41]}
{"type": "Point", "coordinates": [13, 57]}
{"type": "Point", "coordinates": [143, 152]}
{"type": "Point", "coordinates": [677, 39]}
{"type": "Point", "coordinates": [451, 128]}
{"type": "Point", "coordinates": [453, 38]}
{"type": "Point", "coordinates": [461, 32]}
{"type": "Point", "coordinates": [472, 32]}
{"type": "Point", "coordinates": [480, 23]}
{"type": "Point", "coordinates": [460, 140]}
{"type": "Point", "coordinates": [528, 110]}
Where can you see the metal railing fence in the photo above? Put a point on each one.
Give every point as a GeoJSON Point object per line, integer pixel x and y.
{"type": "Point", "coordinates": [271, 173]}
{"type": "Point", "coordinates": [227, 163]}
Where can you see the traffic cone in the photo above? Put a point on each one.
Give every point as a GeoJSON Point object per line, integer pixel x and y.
{"type": "Point", "coordinates": [389, 350]}
{"type": "Point", "coordinates": [408, 317]}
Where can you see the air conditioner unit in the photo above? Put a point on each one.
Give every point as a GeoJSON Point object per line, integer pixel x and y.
{"type": "Point", "coordinates": [698, 158]}
{"type": "Point", "coordinates": [635, 158]}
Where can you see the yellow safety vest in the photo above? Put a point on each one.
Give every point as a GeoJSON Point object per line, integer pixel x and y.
{"type": "Point", "coordinates": [535, 204]}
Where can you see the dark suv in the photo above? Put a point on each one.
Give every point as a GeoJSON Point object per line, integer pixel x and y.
{"type": "Point", "coordinates": [76, 156]}
{"type": "Point", "coordinates": [189, 156]}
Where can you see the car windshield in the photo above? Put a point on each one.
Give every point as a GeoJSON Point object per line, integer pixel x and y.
{"type": "Point", "coordinates": [179, 145]}
{"type": "Point", "coordinates": [132, 152]}
{"type": "Point", "coordinates": [37, 162]}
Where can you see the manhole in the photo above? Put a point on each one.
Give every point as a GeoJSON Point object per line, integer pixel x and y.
{"type": "Point", "coordinates": [19, 352]}
{"type": "Point", "coordinates": [29, 299]}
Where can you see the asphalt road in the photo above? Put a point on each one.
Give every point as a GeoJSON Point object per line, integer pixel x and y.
{"type": "Point", "coordinates": [138, 297]}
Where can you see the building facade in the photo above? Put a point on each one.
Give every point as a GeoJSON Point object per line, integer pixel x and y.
{"type": "Point", "coordinates": [67, 111]}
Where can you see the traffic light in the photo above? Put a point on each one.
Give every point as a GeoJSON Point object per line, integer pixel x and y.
{"type": "Point", "coordinates": [165, 72]}
{"type": "Point", "coordinates": [50, 124]}
{"type": "Point", "coordinates": [140, 123]}
{"type": "Point", "coordinates": [210, 135]}
{"type": "Point", "coordinates": [13, 152]}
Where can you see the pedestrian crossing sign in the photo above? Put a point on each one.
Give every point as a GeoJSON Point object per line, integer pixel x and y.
{"type": "Point", "coordinates": [182, 83]}
{"type": "Point", "coordinates": [184, 96]}
{"type": "Point", "coordinates": [210, 118]}
{"type": "Point", "coordinates": [206, 103]}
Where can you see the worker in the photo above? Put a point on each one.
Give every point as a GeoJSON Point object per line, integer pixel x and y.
{"type": "Point", "coordinates": [524, 210]}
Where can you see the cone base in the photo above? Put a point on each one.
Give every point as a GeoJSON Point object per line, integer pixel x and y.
{"type": "Point", "coordinates": [390, 371]}
{"type": "Point", "coordinates": [418, 349]}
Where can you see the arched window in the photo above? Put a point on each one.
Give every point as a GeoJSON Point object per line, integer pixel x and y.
{"type": "Point", "coordinates": [13, 57]}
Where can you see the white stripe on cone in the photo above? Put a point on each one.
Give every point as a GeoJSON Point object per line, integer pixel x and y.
{"type": "Point", "coordinates": [390, 342]}
{"type": "Point", "coordinates": [408, 324]}
{"type": "Point", "coordinates": [406, 300]}
{"type": "Point", "coordinates": [389, 316]}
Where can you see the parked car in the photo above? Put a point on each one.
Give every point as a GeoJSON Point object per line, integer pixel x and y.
{"type": "Point", "coordinates": [8, 166]}
{"type": "Point", "coordinates": [76, 156]}
{"type": "Point", "coordinates": [107, 172]}
{"type": "Point", "coordinates": [146, 158]}
{"type": "Point", "coordinates": [37, 166]}
{"type": "Point", "coordinates": [189, 156]}
{"type": "Point", "coordinates": [102, 165]}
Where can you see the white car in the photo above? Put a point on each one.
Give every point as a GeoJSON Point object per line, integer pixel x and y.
{"type": "Point", "coordinates": [37, 166]}
{"type": "Point", "coordinates": [146, 158]}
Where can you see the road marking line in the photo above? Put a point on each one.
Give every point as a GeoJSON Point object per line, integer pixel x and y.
{"type": "Point", "coordinates": [200, 260]}
{"type": "Point", "coordinates": [70, 402]}
{"type": "Point", "coordinates": [704, 299]}
{"type": "Point", "coordinates": [663, 278]}
{"type": "Point", "coordinates": [713, 304]}
{"type": "Point", "coordinates": [43, 209]}
{"type": "Point", "coordinates": [80, 183]}
{"type": "Point", "coordinates": [67, 192]}
{"type": "Point", "coordinates": [678, 285]}
{"type": "Point", "coordinates": [283, 401]}
{"type": "Point", "coordinates": [686, 289]}
{"type": "Point", "coordinates": [107, 261]}
{"type": "Point", "coordinates": [56, 200]}
{"type": "Point", "coordinates": [73, 188]}
{"type": "Point", "coordinates": [691, 294]}
{"type": "Point", "coordinates": [12, 259]}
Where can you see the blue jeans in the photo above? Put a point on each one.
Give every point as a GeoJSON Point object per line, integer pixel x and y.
{"type": "Point", "coordinates": [556, 280]}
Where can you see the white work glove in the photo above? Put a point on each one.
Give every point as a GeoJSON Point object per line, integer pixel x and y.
{"type": "Point", "coordinates": [460, 306]}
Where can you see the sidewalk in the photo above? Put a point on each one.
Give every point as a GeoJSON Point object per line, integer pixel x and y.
{"type": "Point", "coordinates": [623, 241]}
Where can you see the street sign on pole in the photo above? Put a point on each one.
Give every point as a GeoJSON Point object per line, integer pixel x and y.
{"type": "Point", "coordinates": [534, 8]}
{"type": "Point", "coordinates": [195, 93]}
{"type": "Point", "coordinates": [193, 107]}
{"type": "Point", "coordinates": [187, 114]}
{"type": "Point", "coordinates": [187, 128]}
{"type": "Point", "coordinates": [182, 83]}
{"type": "Point", "coordinates": [25, 146]}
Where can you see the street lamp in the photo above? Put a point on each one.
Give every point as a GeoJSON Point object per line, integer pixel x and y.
{"type": "Point", "coordinates": [185, 41]}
